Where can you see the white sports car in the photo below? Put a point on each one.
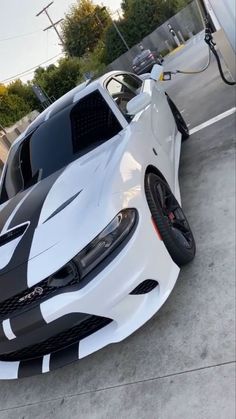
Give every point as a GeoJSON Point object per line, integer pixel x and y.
{"type": "Point", "coordinates": [92, 234]}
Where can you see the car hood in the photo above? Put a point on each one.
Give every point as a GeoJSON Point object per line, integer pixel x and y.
{"type": "Point", "coordinates": [36, 219]}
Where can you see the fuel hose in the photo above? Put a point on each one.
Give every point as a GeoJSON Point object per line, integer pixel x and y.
{"type": "Point", "coordinates": [211, 44]}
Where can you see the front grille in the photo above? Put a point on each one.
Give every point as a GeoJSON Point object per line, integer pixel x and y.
{"type": "Point", "coordinates": [14, 304]}
{"type": "Point", "coordinates": [60, 341]}
{"type": "Point", "coordinates": [145, 287]}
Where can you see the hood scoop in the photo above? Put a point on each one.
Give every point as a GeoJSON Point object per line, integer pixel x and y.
{"type": "Point", "coordinates": [13, 234]}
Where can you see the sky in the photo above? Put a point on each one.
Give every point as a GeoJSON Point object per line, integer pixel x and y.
{"type": "Point", "coordinates": [23, 44]}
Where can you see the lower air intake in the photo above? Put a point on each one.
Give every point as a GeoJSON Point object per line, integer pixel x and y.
{"type": "Point", "coordinates": [60, 341]}
{"type": "Point", "coordinates": [145, 287]}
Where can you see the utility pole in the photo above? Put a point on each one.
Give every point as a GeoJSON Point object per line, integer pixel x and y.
{"type": "Point", "coordinates": [53, 24]}
{"type": "Point", "coordinates": [117, 29]}
{"type": "Point", "coordinates": [120, 34]}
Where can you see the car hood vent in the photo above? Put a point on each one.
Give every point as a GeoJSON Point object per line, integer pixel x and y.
{"type": "Point", "coordinates": [13, 234]}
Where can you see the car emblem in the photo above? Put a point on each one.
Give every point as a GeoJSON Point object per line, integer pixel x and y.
{"type": "Point", "coordinates": [36, 291]}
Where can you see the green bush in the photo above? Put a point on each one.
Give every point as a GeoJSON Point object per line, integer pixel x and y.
{"type": "Point", "coordinates": [93, 62]}
{"type": "Point", "coordinates": [12, 108]}
{"type": "Point", "coordinates": [58, 80]}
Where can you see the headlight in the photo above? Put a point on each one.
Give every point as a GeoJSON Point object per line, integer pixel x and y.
{"type": "Point", "coordinates": [107, 241]}
{"type": "Point", "coordinates": [96, 251]}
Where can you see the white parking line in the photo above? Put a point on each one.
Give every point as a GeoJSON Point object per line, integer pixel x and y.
{"type": "Point", "coordinates": [213, 120]}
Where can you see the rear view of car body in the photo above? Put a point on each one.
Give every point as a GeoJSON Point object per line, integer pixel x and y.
{"type": "Point", "coordinates": [144, 62]}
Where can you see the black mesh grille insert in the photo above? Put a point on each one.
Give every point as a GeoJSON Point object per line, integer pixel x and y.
{"type": "Point", "coordinates": [92, 122]}
{"type": "Point", "coordinates": [60, 341]}
{"type": "Point", "coordinates": [145, 287]}
{"type": "Point", "coordinates": [18, 302]}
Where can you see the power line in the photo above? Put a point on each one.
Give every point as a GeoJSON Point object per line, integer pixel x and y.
{"type": "Point", "coordinates": [19, 36]}
{"type": "Point", "coordinates": [24, 73]}
{"type": "Point", "coordinates": [30, 70]}
{"type": "Point", "coordinates": [53, 24]}
{"type": "Point", "coordinates": [116, 28]}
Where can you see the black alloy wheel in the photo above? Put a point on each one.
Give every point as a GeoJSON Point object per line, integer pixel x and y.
{"type": "Point", "coordinates": [170, 220]}
{"type": "Point", "coordinates": [180, 122]}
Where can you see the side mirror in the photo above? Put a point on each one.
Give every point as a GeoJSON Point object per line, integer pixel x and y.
{"type": "Point", "coordinates": [138, 103]}
{"type": "Point", "coordinates": [157, 71]}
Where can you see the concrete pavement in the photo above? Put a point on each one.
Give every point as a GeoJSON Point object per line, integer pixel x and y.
{"type": "Point", "coordinates": [201, 96]}
{"type": "Point", "coordinates": [180, 365]}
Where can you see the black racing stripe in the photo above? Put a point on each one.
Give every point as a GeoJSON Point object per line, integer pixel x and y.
{"type": "Point", "coordinates": [6, 212]}
{"type": "Point", "coordinates": [2, 334]}
{"type": "Point", "coordinates": [27, 321]}
{"type": "Point", "coordinates": [31, 208]}
{"type": "Point", "coordinates": [64, 357]}
{"type": "Point", "coordinates": [31, 367]}
{"type": "Point", "coordinates": [31, 335]}
{"type": "Point", "coordinates": [12, 283]}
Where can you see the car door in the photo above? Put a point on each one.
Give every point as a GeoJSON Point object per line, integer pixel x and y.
{"type": "Point", "coordinates": [122, 88]}
{"type": "Point", "coordinates": [163, 123]}
{"type": "Point", "coordinates": [154, 125]}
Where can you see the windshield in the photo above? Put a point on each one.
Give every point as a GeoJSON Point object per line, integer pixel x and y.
{"type": "Point", "coordinates": [63, 138]}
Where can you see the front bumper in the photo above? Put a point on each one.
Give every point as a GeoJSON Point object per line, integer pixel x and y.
{"type": "Point", "coordinates": [108, 296]}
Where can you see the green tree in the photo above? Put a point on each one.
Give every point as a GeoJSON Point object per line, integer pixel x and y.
{"type": "Point", "coordinates": [3, 90]}
{"type": "Point", "coordinates": [12, 108]}
{"type": "Point", "coordinates": [25, 92]}
{"type": "Point", "coordinates": [83, 27]}
{"type": "Point", "coordinates": [180, 4]}
{"type": "Point", "coordinates": [140, 18]}
{"type": "Point", "coordinates": [93, 62]}
{"type": "Point", "coordinates": [58, 80]}
{"type": "Point", "coordinates": [144, 16]}
{"type": "Point", "coordinates": [114, 46]}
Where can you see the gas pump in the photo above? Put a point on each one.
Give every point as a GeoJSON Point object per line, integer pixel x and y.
{"type": "Point", "coordinates": [221, 29]}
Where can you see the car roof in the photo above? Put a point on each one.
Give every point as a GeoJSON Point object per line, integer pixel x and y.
{"type": "Point", "coordinates": [57, 106]}
{"type": "Point", "coordinates": [68, 99]}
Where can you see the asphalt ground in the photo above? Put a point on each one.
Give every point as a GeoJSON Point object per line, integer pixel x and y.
{"type": "Point", "coordinates": [181, 364]}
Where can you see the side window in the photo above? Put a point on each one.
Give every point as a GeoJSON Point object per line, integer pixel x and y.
{"type": "Point", "coordinates": [64, 137]}
{"type": "Point", "coordinates": [122, 88]}
{"type": "Point", "coordinates": [131, 82]}
{"type": "Point", "coordinates": [92, 122]}
{"type": "Point", "coordinates": [114, 87]}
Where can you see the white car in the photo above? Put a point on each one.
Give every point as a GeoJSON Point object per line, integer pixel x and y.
{"type": "Point", "coordinates": [92, 235]}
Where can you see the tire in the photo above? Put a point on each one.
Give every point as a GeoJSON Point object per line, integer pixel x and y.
{"type": "Point", "coordinates": [170, 220]}
{"type": "Point", "coordinates": [180, 122]}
